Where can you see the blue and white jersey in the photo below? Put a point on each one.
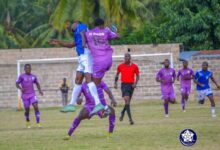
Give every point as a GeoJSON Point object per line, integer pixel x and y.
{"type": "Point", "coordinates": [78, 38]}
{"type": "Point", "coordinates": [203, 78]}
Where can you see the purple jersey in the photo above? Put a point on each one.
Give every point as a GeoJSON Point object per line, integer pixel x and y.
{"type": "Point", "coordinates": [98, 42]}
{"type": "Point", "coordinates": [167, 77]}
{"type": "Point", "coordinates": [185, 75]}
{"type": "Point", "coordinates": [27, 83]}
{"type": "Point", "coordinates": [89, 99]}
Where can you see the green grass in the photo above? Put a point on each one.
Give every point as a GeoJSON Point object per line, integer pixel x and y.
{"type": "Point", "coordinates": [151, 130]}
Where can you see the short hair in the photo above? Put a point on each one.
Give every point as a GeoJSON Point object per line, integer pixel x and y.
{"type": "Point", "coordinates": [127, 54]}
{"type": "Point", "coordinates": [27, 65]}
{"type": "Point", "coordinates": [167, 60]}
{"type": "Point", "coordinates": [205, 63]}
{"type": "Point", "coordinates": [99, 22]}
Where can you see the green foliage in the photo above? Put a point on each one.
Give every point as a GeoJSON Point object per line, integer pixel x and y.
{"type": "Point", "coordinates": [31, 23]}
{"type": "Point", "coordinates": [195, 23]}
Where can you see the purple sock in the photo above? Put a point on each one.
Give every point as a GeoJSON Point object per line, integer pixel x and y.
{"type": "Point", "coordinates": [27, 116]}
{"type": "Point", "coordinates": [37, 116]}
{"type": "Point", "coordinates": [111, 123]}
{"type": "Point", "coordinates": [183, 103]}
{"type": "Point", "coordinates": [166, 105]}
{"type": "Point", "coordinates": [75, 124]}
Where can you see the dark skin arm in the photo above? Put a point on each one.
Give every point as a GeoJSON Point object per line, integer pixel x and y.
{"type": "Point", "coordinates": [39, 89]}
{"type": "Point", "coordinates": [111, 97]}
{"type": "Point", "coordinates": [136, 82]}
{"type": "Point", "coordinates": [214, 81]}
{"type": "Point", "coordinates": [56, 42]}
{"type": "Point", "coordinates": [82, 33]}
{"type": "Point", "coordinates": [116, 80]}
{"type": "Point", "coordinates": [19, 87]}
{"type": "Point", "coordinates": [196, 82]}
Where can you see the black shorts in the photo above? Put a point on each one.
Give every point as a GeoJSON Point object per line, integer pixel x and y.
{"type": "Point", "coordinates": [127, 89]}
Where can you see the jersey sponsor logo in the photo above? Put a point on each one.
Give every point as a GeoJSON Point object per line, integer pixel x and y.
{"type": "Point", "coordinates": [188, 137]}
{"type": "Point", "coordinates": [97, 34]}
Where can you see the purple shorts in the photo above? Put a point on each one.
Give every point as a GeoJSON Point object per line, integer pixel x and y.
{"type": "Point", "coordinates": [99, 69]}
{"type": "Point", "coordinates": [185, 90]}
{"type": "Point", "coordinates": [168, 93]}
{"type": "Point", "coordinates": [28, 99]}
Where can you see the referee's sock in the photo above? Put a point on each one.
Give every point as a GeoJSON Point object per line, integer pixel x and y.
{"type": "Point", "coordinates": [122, 113]}
{"type": "Point", "coordinates": [128, 112]}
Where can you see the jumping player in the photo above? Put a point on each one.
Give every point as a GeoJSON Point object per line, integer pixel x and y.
{"type": "Point", "coordinates": [98, 42]}
{"type": "Point", "coordinates": [203, 88]}
{"type": "Point", "coordinates": [128, 71]}
{"type": "Point", "coordinates": [25, 83]}
{"type": "Point", "coordinates": [186, 75]}
{"type": "Point", "coordinates": [89, 105]}
{"type": "Point", "coordinates": [84, 68]}
{"type": "Point", "coordinates": [166, 76]}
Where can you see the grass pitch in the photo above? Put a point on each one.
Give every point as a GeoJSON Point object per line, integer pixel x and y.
{"type": "Point", "coordinates": [151, 130]}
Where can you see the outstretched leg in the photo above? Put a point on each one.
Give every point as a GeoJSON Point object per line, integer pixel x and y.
{"type": "Point", "coordinates": [82, 115]}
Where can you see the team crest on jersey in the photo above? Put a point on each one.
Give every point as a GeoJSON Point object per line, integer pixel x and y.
{"type": "Point", "coordinates": [188, 137]}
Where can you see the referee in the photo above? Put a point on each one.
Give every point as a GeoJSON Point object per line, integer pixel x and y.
{"type": "Point", "coordinates": [128, 71]}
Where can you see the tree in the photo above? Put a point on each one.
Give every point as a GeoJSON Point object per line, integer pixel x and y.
{"type": "Point", "coordinates": [196, 23]}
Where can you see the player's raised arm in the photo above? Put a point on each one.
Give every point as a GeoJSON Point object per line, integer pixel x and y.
{"type": "Point", "coordinates": [56, 42]}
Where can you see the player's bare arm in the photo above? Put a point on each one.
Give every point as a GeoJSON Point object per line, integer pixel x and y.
{"type": "Point", "coordinates": [136, 82]}
{"type": "Point", "coordinates": [111, 97]}
{"type": "Point", "coordinates": [196, 82]}
{"type": "Point", "coordinates": [116, 80]}
{"type": "Point", "coordinates": [82, 33]}
{"type": "Point", "coordinates": [39, 89]}
{"type": "Point", "coordinates": [214, 81]}
{"type": "Point", "coordinates": [56, 42]}
{"type": "Point", "coordinates": [19, 87]}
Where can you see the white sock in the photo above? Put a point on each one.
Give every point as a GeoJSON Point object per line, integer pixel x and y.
{"type": "Point", "coordinates": [213, 110]}
{"type": "Point", "coordinates": [94, 92]}
{"type": "Point", "coordinates": [75, 94]}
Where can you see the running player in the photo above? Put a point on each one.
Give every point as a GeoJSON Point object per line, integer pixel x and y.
{"type": "Point", "coordinates": [25, 83]}
{"type": "Point", "coordinates": [166, 76]}
{"type": "Point", "coordinates": [186, 74]}
{"type": "Point", "coordinates": [89, 105]}
{"type": "Point", "coordinates": [84, 68]}
{"type": "Point", "coordinates": [203, 88]}
{"type": "Point", "coordinates": [128, 72]}
{"type": "Point", "coordinates": [98, 42]}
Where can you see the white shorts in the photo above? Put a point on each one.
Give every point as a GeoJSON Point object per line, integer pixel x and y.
{"type": "Point", "coordinates": [85, 62]}
{"type": "Point", "coordinates": [203, 93]}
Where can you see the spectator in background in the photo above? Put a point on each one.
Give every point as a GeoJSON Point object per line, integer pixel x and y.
{"type": "Point", "coordinates": [64, 90]}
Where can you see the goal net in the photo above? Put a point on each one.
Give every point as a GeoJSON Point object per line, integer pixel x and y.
{"type": "Point", "coordinates": [51, 71]}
